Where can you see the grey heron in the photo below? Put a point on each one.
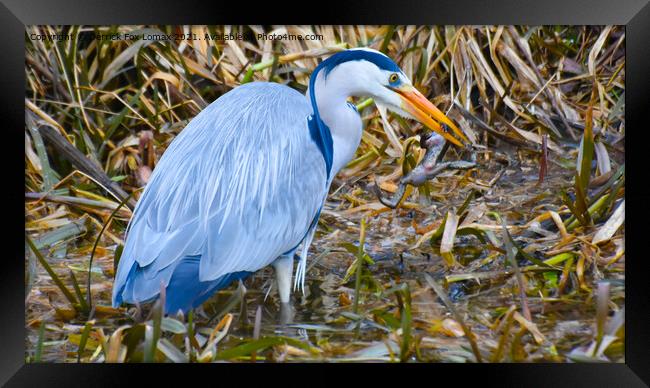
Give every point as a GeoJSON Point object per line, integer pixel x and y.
{"type": "Point", "coordinates": [242, 186]}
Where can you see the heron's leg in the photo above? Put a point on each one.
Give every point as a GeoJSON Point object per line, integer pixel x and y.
{"type": "Point", "coordinates": [283, 266]}
{"type": "Point", "coordinates": [287, 313]}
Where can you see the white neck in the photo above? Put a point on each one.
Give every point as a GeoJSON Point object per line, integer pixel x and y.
{"type": "Point", "coordinates": [343, 121]}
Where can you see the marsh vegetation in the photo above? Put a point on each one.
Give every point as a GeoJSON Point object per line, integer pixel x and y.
{"type": "Point", "coordinates": [518, 259]}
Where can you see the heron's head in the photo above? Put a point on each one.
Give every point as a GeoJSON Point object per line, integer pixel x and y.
{"type": "Point", "coordinates": [369, 73]}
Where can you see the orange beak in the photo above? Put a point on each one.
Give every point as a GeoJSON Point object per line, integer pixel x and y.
{"type": "Point", "coordinates": [426, 113]}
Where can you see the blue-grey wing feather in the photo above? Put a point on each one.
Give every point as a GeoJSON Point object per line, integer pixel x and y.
{"type": "Point", "coordinates": [239, 186]}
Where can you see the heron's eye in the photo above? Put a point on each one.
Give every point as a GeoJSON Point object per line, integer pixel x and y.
{"type": "Point", "coordinates": [393, 78]}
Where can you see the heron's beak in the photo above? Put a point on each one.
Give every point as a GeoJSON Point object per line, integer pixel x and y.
{"type": "Point", "coordinates": [425, 112]}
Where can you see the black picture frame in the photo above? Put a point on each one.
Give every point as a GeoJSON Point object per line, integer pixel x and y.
{"type": "Point", "coordinates": [634, 14]}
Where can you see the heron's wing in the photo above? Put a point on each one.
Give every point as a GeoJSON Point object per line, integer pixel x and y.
{"type": "Point", "coordinates": [239, 186]}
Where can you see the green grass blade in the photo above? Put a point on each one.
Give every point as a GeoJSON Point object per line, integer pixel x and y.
{"type": "Point", "coordinates": [39, 345]}
{"type": "Point", "coordinates": [89, 300]}
{"type": "Point", "coordinates": [84, 339]}
{"type": "Point", "coordinates": [77, 290]}
{"type": "Point", "coordinates": [52, 274]}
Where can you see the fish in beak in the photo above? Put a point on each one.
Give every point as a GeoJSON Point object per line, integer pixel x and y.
{"type": "Point", "coordinates": [426, 113]}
